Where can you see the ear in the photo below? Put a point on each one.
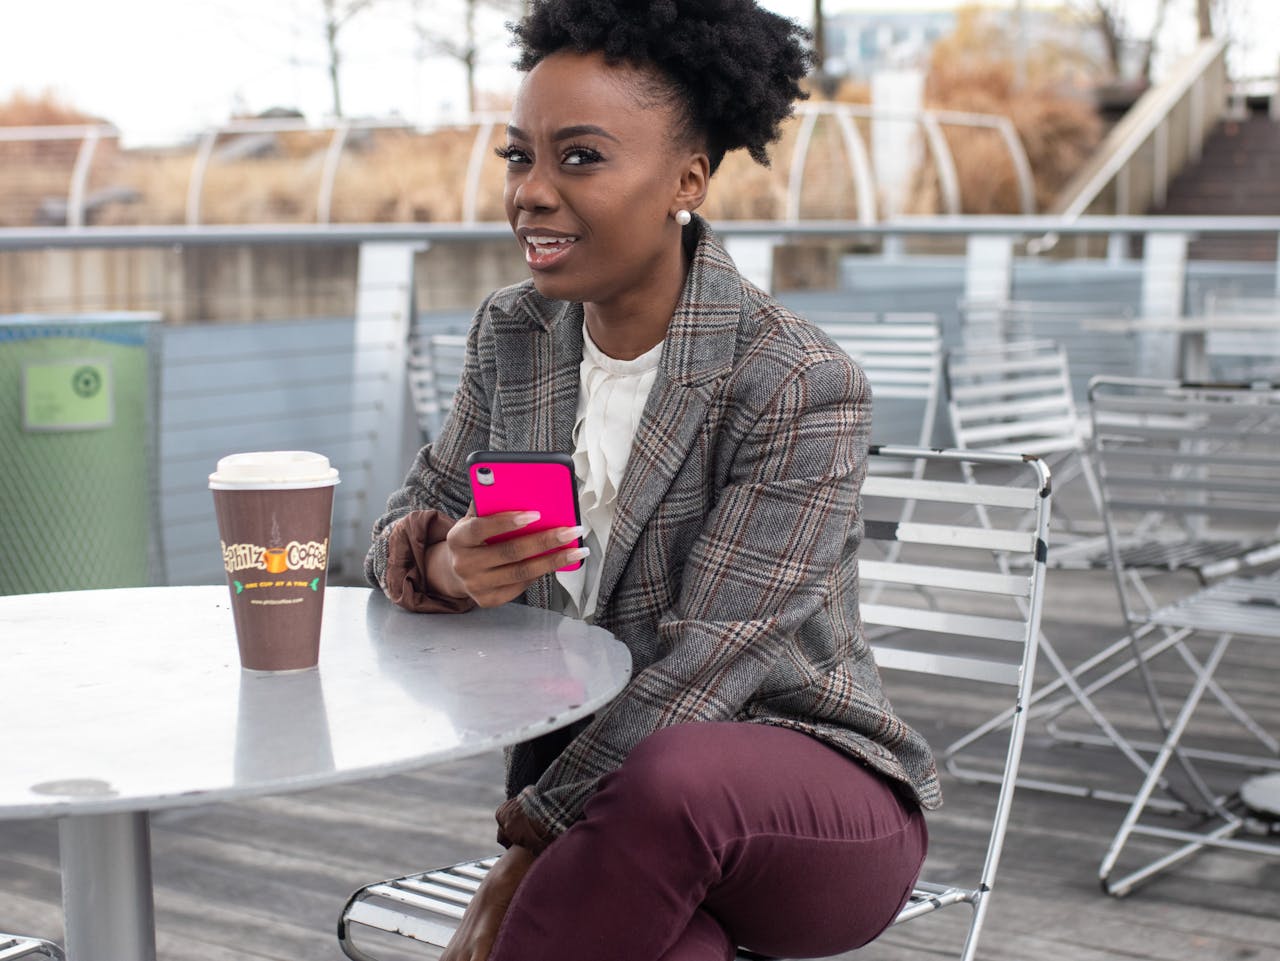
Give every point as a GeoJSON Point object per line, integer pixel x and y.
{"type": "Point", "coordinates": [692, 190]}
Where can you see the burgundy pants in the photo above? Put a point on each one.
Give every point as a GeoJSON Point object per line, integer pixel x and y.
{"type": "Point", "coordinates": [712, 836]}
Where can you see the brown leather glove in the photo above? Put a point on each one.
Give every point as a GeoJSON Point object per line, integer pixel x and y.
{"type": "Point", "coordinates": [406, 578]}
{"type": "Point", "coordinates": [516, 828]}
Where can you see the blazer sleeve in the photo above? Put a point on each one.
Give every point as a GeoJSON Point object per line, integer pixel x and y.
{"type": "Point", "coordinates": [780, 530]}
{"type": "Point", "coordinates": [435, 492]}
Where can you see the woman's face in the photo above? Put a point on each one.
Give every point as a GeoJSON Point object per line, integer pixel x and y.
{"type": "Point", "coordinates": [595, 172]}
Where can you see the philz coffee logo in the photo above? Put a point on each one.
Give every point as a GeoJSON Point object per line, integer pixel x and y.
{"type": "Point", "coordinates": [294, 556]}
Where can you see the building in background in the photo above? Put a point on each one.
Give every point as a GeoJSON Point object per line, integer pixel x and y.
{"type": "Point", "coordinates": [861, 43]}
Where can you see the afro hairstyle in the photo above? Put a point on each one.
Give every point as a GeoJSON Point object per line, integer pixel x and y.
{"type": "Point", "coordinates": [731, 69]}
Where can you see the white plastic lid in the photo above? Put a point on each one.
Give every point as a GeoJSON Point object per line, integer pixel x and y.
{"type": "Point", "coordinates": [273, 470]}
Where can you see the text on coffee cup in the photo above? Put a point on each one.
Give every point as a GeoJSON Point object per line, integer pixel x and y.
{"type": "Point", "coordinates": [295, 556]}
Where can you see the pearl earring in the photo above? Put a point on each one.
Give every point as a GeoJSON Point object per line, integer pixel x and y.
{"type": "Point", "coordinates": [683, 217]}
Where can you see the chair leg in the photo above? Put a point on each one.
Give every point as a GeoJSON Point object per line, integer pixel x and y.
{"type": "Point", "coordinates": [1167, 751]}
{"type": "Point", "coordinates": [1049, 713]}
{"type": "Point", "coordinates": [1078, 696]}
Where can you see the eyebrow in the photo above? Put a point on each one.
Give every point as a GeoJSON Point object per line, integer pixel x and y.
{"type": "Point", "coordinates": [567, 133]}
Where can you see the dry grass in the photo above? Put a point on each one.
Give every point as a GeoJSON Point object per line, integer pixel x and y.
{"type": "Point", "coordinates": [972, 70]}
{"type": "Point", "coordinates": [409, 176]}
{"type": "Point", "coordinates": [1057, 132]}
{"type": "Point", "coordinates": [31, 171]}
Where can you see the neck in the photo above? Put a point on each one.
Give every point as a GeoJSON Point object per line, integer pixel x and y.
{"type": "Point", "coordinates": [635, 321]}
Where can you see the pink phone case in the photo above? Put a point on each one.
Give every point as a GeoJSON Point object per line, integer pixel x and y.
{"type": "Point", "coordinates": [526, 481]}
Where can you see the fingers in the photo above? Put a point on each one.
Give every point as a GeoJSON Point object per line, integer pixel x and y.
{"type": "Point", "coordinates": [473, 531]}
{"type": "Point", "coordinates": [495, 573]}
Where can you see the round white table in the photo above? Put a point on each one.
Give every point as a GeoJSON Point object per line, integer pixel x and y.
{"type": "Point", "coordinates": [1193, 334]}
{"type": "Point", "coordinates": [121, 702]}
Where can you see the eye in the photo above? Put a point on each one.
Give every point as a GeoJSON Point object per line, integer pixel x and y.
{"type": "Point", "coordinates": [512, 155]}
{"type": "Point", "coordinates": [578, 156]}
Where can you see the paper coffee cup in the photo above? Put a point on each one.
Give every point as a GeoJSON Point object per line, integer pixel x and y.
{"type": "Point", "coordinates": [275, 511]}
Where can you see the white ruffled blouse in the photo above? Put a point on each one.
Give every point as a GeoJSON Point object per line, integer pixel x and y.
{"type": "Point", "coordinates": [611, 399]}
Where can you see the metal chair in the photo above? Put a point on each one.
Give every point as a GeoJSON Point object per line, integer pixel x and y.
{"type": "Point", "coordinates": [435, 369]}
{"type": "Point", "coordinates": [1018, 394]}
{"type": "Point", "coordinates": [1016, 397]}
{"type": "Point", "coordinates": [976, 632]}
{"type": "Point", "coordinates": [1247, 346]}
{"type": "Point", "coordinates": [13, 946]}
{"type": "Point", "coordinates": [1204, 461]}
{"type": "Point", "coordinates": [901, 354]}
{"type": "Point", "coordinates": [1090, 352]}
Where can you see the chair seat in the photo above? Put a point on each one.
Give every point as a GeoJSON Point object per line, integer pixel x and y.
{"type": "Point", "coordinates": [1238, 605]}
{"type": "Point", "coordinates": [427, 907]}
{"type": "Point", "coordinates": [1206, 558]}
{"type": "Point", "coordinates": [13, 946]}
{"type": "Point", "coordinates": [1185, 554]}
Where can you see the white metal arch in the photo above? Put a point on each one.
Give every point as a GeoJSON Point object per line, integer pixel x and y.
{"type": "Point", "coordinates": [931, 123]}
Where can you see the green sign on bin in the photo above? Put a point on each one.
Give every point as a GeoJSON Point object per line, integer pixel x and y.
{"type": "Point", "coordinates": [67, 395]}
{"type": "Point", "coordinates": [77, 430]}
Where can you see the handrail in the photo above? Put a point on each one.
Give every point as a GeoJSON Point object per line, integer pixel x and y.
{"type": "Point", "coordinates": [1144, 121]}
{"type": "Point", "coordinates": [340, 133]}
{"type": "Point", "coordinates": [930, 122]}
{"type": "Point", "coordinates": [860, 167]}
{"type": "Point", "coordinates": [1012, 225]}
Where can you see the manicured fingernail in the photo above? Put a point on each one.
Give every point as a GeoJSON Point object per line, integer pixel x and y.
{"type": "Point", "coordinates": [579, 553]}
{"type": "Point", "coordinates": [525, 519]}
{"type": "Point", "coordinates": [571, 534]}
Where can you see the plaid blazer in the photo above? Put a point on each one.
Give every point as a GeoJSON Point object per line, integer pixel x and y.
{"type": "Point", "coordinates": [730, 572]}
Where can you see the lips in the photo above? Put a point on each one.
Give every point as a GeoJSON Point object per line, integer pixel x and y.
{"type": "Point", "coordinates": [543, 250]}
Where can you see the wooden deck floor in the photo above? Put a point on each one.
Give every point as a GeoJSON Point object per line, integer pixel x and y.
{"type": "Point", "coordinates": [264, 879]}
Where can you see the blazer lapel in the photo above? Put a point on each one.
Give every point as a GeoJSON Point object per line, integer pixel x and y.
{"type": "Point", "coordinates": [697, 357]}
{"type": "Point", "coordinates": [540, 402]}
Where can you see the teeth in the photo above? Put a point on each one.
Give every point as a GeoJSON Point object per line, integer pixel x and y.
{"type": "Point", "coordinates": [550, 241]}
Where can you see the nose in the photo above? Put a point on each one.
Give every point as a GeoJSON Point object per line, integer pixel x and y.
{"type": "Point", "coordinates": [534, 192]}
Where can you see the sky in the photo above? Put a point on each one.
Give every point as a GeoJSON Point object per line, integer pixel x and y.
{"type": "Point", "coordinates": [162, 70]}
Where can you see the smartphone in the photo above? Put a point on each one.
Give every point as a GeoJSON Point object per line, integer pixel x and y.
{"type": "Point", "coordinates": [526, 481]}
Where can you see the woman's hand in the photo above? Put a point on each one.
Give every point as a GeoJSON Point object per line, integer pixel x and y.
{"type": "Point", "coordinates": [480, 922]}
{"type": "Point", "coordinates": [463, 565]}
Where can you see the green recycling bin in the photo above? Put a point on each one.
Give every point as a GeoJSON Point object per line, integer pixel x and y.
{"type": "Point", "coordinates": [77, 451]}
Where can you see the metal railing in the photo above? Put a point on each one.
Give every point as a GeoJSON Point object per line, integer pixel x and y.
{"type": "Point", "coordinates": [483, 125]}
{"type": "Point", "coordinates": [1190, 102]}
{"type": "Point", "coordinates": [89, 135]}
{"type": "Point", "coordinates": [1011, 225]}
{"type": "Point", "coordinates": [340, 375]}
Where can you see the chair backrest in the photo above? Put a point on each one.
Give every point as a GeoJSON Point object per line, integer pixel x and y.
{"type": "Point", "coordinates": [901, 354]}
{"type": "Point", "coordinates": [1192, 468]}
{"type": "Point", "coordinates": [965, 600]}
{"type": "Point", "coordinates": [435, 369]}
{"type": "Point", "coordinates": [1013, 397]}
{"type": "Point", "coordinates": [1091, 352]}
{"type": "Point", "coordinates": [1243, 341]}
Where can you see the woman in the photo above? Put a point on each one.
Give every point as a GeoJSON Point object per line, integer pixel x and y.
{"type": "Point", "coordinates": [751, 785]}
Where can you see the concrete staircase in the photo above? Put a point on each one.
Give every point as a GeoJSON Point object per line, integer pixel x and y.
{"type": "Point", "coordinates": [1236, 175]}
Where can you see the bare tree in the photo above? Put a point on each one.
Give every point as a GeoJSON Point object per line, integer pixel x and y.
{"type": "Point", "coordinates": [1204, 18]}
{"type": "Point", "coordinates": [819, 37]}
{"type": "Point", "coordinates": [1110, 19]}
{"type": "Point", "coordinates": [337, 14]}
{"type": "Point", "coordinates": [467, 46]}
